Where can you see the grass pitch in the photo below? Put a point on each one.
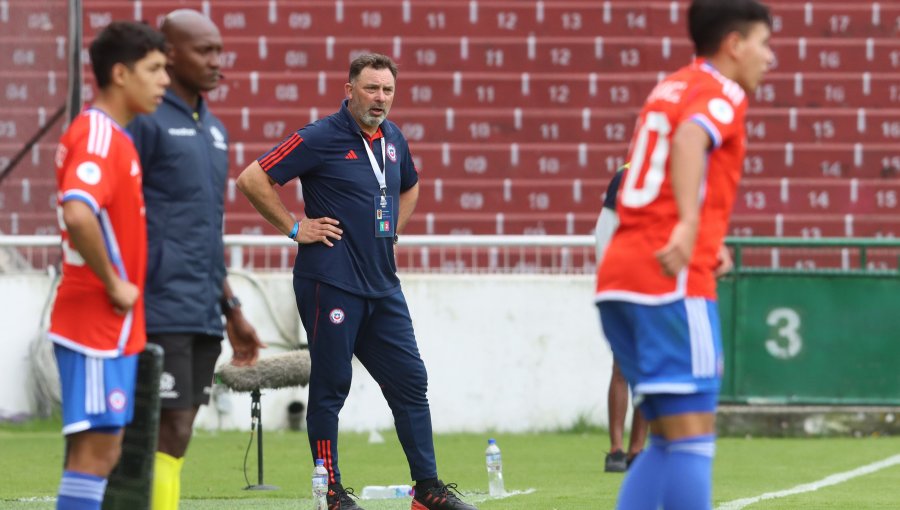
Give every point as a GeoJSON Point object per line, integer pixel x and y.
{"type": "Point", "coordinates": [551, 470]}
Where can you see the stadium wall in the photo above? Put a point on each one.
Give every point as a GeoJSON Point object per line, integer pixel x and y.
{"type": "Point", "coordinates": [504, 353]}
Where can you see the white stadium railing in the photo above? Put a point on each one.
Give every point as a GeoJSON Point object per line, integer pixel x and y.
{"type": "Point", "coordinates": [554, 254]}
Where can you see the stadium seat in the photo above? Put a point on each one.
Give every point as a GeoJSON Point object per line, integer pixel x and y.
{"type": "Point", "coordinates": [48, 16]}
{"type": "Point", "coordinates": [28, 223]}
{"type": "Point", "coordinates": [818, 196]}
{"type": "Point", "coordinates": [512, 196]}
{"type": "Point", "coordinates": [31, 52]}
{"type": "Point", "coordinates": [38, 163]}
{"type": "Point", "coordinates": [35, 89]}
{"type": "Point", "coordinates": [827, 89]}
{"type": "Point", "coordinates": [846, 125]}
{"type": "Point", "coordinates": [26, 195]}
{"type": "Point", "coordinates": [832, 55]}
{"type": "Point", "coordinates": [804, 160]}
{"type": "Point", "coordinates": [821, 19]}
{"type": "Point", "coordinates": [476, 223]}
{"type": "Point", "coordinates": [813, 226]}
{"type": "Point", "coordinates": [880, 226]}
{"type": "Point", "coordinates": [526, 161]}
{"type": "Point", "coordinates": [796, 196]}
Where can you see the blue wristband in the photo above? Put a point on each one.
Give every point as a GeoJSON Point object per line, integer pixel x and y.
{"type": "Point", "coordinates": [294, 230]}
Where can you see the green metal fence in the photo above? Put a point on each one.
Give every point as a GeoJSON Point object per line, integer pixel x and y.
{"type": "Point", "coordinates": [812, 336]}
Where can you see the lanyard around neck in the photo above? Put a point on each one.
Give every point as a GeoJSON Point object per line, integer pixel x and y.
{"type": "Point", "coordinates": [379, 173]}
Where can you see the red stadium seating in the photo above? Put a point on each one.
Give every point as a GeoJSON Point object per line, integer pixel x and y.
{"type": "Point", "coordinates": [833, 55]}
{"type": "Point", "coordinates": [441, 89]}
{"type": "Point", "coordinates": [512, 196]}
{"type": "Point", "coordinates": [586, 125]}
{"type": "Point", "coordinates": [507, 105]}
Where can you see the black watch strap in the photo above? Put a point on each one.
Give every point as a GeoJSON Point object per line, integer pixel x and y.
{"type": "Point", "coordinates": [231, 303]}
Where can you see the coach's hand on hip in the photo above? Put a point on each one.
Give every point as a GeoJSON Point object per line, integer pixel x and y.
{"type": "Point", "coordinates": [318, 230]}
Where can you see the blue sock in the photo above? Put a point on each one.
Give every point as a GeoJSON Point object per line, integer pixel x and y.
{"type": "Point", "coordinates": [688, 476]}
{"type": "Point", "coordinates": [80, 491]}
{"type": "Point", "coordinates": [643, 485]}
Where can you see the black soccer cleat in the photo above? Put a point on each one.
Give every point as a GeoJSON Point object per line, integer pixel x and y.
{"type": "Point", "coordinates": [439, 497]}
{"type": "Point", "coordinates": [339, 498]}
{"type": "Point", "coordinates": [616, 462]}
{"type": "Point", "coordinates": [631, 458]}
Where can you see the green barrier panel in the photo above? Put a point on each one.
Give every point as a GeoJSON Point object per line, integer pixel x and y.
{"type": "Point", "coordinates": [815, 337]}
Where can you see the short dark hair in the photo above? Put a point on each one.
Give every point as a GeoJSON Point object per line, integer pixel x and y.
{"type": "Point", "coordinates": [373, 60]}
{"type": "Point", "coordinates": [122, 42]}
{"type": "Point", "coordinates": [709, 21]}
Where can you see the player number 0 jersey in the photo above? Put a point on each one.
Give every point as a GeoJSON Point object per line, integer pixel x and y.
{"type": "Point", "coordinates": [646, 203]}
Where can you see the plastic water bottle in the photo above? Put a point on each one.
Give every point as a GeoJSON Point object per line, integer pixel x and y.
{"type": "Point", "coordinates": [494, 469]}
{"type": "Point", "coordinates": [320, 486]}
{"type": "Point", "coordinates": [386, 492]}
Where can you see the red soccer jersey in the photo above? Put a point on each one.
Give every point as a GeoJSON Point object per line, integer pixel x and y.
{"type": "Point", "coordinates": [646, 204]}
{"type": "Point", "coordinates": [96, 163]}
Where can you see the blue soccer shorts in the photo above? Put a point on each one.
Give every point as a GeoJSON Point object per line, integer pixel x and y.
{"type": "Point", "coordinates": [97, 393]}
{"type": "Point", "coordinates": [671, 354]}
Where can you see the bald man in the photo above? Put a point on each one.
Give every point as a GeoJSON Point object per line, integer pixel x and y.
{"type": "Point", "coordinates": [184, 153]}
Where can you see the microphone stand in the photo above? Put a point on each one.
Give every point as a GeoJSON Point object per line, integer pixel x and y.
{"type": "Point", "coordinates": [256, 423]}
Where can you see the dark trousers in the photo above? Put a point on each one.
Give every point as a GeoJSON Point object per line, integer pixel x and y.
{"type": "Point", "coordinates": [379, 333]}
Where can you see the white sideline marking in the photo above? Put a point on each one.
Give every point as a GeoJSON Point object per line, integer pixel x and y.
{"type": "Point", "coordinates": [814, 486]}
{"type": "Point", "coordinates": [482, 497]}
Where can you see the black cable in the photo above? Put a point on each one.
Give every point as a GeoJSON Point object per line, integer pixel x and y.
{"type": "Point", "coordinates": [33, 140]}
{"type": "Point", "coordinates": [247, 453]}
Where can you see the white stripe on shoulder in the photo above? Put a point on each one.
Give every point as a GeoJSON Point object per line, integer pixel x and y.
{"type": "Point", "coordinates": [92, 132]}
{"type": "Point", "coordinates": [107, 136]}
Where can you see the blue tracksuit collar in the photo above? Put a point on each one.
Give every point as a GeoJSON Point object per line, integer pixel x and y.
{"type": "Point", "coordinates": [175, 100]}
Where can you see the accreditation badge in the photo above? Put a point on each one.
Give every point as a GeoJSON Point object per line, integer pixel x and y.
{"type": "Point", "coordinates": [384, 216]}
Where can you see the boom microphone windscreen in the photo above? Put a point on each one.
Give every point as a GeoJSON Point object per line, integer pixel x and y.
{"type": "Point", "coordinates": [272, 372]}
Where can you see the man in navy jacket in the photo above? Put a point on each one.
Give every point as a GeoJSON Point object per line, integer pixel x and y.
{"type": "Point", "coordinates": [184, 153]}
{"type": "Point", "coordinates": [359, 187]}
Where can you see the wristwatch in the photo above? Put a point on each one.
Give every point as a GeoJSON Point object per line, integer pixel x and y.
{"type": "Point", "coordinates": [230, 304]}
{"type": "Point", "coordinates": [396, 239]}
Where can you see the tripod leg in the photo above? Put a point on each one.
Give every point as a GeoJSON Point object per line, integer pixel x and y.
{"type": "Point", "coordinates": [256, 415]}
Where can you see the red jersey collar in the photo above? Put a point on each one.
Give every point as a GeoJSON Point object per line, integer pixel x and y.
{"type": "Point", "coordinates": [371, 138]}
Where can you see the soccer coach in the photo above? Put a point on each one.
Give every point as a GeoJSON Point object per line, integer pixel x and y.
{"type": "Point", "coordinates": [360, 187]}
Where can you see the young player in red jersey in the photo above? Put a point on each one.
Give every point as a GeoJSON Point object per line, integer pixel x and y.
{"type": "Point", "coordinates": [97, 322]}
{"type": "Point", "coordinates": [656, 285]}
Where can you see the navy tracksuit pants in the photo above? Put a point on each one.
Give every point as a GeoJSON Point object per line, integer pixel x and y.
{"type": "Point", "coordinates": [379, 333]}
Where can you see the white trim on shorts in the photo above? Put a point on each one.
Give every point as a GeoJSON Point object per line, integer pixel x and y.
{"type": "Point", "coordinates": [703, 346]}
{"type": "Point", "coordinates": [94, 386]}
{"type": "Point", "coordinates": [665, 387]}
{"type": "Point", "coordinates": [72, 345]}
{"type": "Point", "coordinates": [639, 298]}
{"type": "Point", "coordinates": [78, 426]}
